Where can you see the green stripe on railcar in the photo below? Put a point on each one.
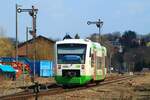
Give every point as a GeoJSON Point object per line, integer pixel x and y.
{"type": "Point", "coordinates": [74, 80]}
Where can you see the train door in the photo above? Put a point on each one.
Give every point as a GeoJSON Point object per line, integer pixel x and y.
{"type": "Point", "coordinates": [99, 67]}
{"type": "Point", "coordinates": [93, 64]}
{"type": "Point", "coordinates": [103, 65]}
{"type": "Point", "coordinates": [97, 63]}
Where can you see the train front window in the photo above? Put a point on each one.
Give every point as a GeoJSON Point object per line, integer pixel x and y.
{"type": "Point", "coordinates": [71, 53]}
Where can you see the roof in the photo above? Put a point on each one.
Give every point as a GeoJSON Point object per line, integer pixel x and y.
{"type": "Point", "coordinates": [7, 68]}
{"type": "Point", "coordinates": [7, 59]}
{"type": "Point", "coordinates": [38, 37]}
{"type": "Point", "coordinates": [80, 41]}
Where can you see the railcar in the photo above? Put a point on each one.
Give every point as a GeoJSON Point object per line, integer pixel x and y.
{"type": "Point", "coordinates": [79, 62]}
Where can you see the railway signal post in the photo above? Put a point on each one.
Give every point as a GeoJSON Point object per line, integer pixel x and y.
{"type": "Point", "coordinates": [99, 25]}
{"type": "Point", "coordinates": [32, 12]}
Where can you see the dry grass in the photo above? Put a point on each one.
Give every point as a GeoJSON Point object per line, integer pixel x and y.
{"type": "Point", "coordinates": [10, 87]}
{"type": "Point", "coordinates": [135, 89]}
{"type": "Point", "coordinates": [125, 90]}
{"type": "Point", "coordinates": [44, 80]}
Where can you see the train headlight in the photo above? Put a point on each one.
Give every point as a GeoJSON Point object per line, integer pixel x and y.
{"type": "Point", "coordinates": [59, 66]}
{"type": "Point", "coordinates": [82, 66]}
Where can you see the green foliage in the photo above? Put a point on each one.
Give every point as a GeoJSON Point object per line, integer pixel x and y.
{"type": "Point", "coordinates": [128, 39]}
{"type": "Point", "coordinates": [112, 36]}
{"type": "Point", "coordinates": [129, 35]}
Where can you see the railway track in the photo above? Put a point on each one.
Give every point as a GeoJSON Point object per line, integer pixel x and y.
{"type": "Point", "coordinates": [54, 89]}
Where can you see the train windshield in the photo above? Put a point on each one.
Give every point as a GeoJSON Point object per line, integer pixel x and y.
{"type": "Point", "coordinates": [71, 53]}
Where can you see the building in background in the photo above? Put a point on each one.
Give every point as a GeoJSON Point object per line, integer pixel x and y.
{"type": "Point", "coordinates": [44, 48]}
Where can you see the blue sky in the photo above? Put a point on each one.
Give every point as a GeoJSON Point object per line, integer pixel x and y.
{"type": "Point", "coordinates": [58, 17]}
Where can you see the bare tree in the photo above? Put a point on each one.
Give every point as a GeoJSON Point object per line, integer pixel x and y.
{"type": "Point", "coordinates": [6, 47]}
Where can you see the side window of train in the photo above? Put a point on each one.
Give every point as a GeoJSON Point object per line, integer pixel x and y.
{"type": "Point", "coordinates": [90, 53]}
{"type": "Point", "coordinates": [99, 62]}
{"type": "Point", "coordinates": [92, 60]}
{"type": "Point", "coordinates": [106, 63]}
{"type": "Point", "coordinates": [103, 60]}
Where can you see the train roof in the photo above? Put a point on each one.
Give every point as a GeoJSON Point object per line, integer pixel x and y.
{"type": "Point", "coordinates": [81, 41]}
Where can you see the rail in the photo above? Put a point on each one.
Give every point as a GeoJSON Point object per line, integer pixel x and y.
{"type": "Point", "coordinates": [53, 89]}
